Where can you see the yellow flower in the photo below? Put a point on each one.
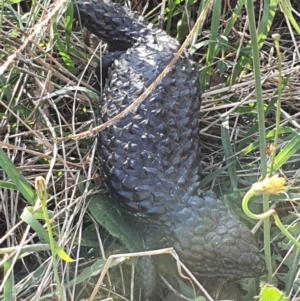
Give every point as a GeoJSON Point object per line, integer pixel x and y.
{"type": "Point", "coordinates": [270, 185]}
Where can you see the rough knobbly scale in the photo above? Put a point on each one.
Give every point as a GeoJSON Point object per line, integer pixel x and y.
{"type": "Point", "coordinates": [150, 158]}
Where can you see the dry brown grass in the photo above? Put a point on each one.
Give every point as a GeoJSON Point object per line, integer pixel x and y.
{"type": "Point", "coordinates": [44, 102]}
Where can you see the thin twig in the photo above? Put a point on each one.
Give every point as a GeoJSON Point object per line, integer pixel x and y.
{"type": "Point", "coordinates": [142, 97]}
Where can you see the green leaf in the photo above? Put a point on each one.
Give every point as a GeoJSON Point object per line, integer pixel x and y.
{"type": "Point", "coordinates": [38, 213]}
{"type": "Point", "coordinates": [63, 49]}
{"type": "Point", "coordinates": [250, 289]}
{"type": "Point", "coordinates": [188, 291]}
{"type": "Point", "coordinates": [183, 24]}
{"type": "Point", "coordinates": [103, 210]}
{"type": "Point", "coordinates": [263, 30]}
{"type": "Point", "coordinates": [31, 281]}
{"type": "Point", "coordinates": [86, 274]}
{"type": "Point", "coordinates": [291, 261]}
{"type": "Point", "coordinates": [270, 135]}
{"type": "Point", "coordinates": [8, 185]}
{"type": "Point", "coordinates": [216, 18]}
{"type": "Point", "coordinates": [288, 151]}
{"type": "Point", "coordinates": [212, 176]}
{"type": "Point", "coordinates": [6, 3]}
{"type": "Point", "coordinates": [286, 8]}
{"type": "Point", "coordinates": [8, 286]}
{"type": "Point", "coordinates": [69, 25]}
{"type": "Point", "coordinates": [114, 221]}
{"type": "Point", "coordinates": [17, 178]}
{"type": "Point", "coordinates": [94, 270]}
{"type": "Point", "coordinates": [5, 87]}
{"type": "Point", "coordinates": [270, 293]}
{"type": "Point", "coordinates": [37, 227]}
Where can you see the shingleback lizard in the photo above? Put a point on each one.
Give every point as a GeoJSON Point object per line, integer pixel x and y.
{"type": "Point", "coordinates": [150, 158]}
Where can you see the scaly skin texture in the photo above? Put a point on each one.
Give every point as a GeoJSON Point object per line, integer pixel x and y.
{"type": "Point", "coordinates": [150, 158]}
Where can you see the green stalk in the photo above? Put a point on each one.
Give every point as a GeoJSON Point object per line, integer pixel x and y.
{"type": "Point", "coordinates": [8, 286]}
{"type": "Point", "coordinates": [261, 126]}
{"type": "Point", "coordinates": [171, 6]}
{"type": "Point", "coordinates": [41, 191]}
{"type": "Point", "coordinates": [276, 38]}
{"type": "Point", "coordinates": [265, 215]}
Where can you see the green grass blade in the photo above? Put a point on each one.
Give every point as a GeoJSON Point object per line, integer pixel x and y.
{"type": "Point", "coordinates": [17, 178]}
{"type": "Point", "coordinates": [271, 108]}
{"type": "Point", "coordinates": [183, 24]}
{"type": "Point", "coordinates": [269, 136]}
{"type": "Point", "coordinates": [95, 269]}
{"type": "Point", "coordinates": [262, 32]}
{"type": "Point", "coordinates": [5, 87]}
{"type": "Point", "coordinates": [8, 185]}
{"type": "Point", "coordinates": [59, 45]}
{"type": "Point", "coordinates": [38, 213]}
{"type": "Point", "coordinates": [27, 217]}
{"type": "Point", "coordinates": [286, 7]}
{"type": "Point", "coordinates": [114, 221]}
{"type": "Point", "coordinates": [212, 176]}
{"type": "Point", "coordinates": [288, 151]}
{"type": "Point", "coordinates": [214, 31]}
{"type": "Point", "coordinates": [234, 17]}
{"type": "Point", "coordinates": [8, 286]}
{"type": "Point", "coordinates": [169, 11]}
{"type": "Point", "coordinates": [31, 280]}
{"type": "Point", "coordinates": [68, 26]}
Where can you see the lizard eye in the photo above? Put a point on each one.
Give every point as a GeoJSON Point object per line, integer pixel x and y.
{"type": "Point", "coordinates": [228, 262]}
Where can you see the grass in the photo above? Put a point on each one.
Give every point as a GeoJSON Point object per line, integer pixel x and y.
{"type": "Point", "coordinates": [250, 99]}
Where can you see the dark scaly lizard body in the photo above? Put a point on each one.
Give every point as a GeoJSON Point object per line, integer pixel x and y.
{"type": "Point", "coordinates": [150, 158]}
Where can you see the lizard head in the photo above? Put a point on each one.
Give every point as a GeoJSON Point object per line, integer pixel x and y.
{"type": "Point", "coordinates": [212, 242]}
